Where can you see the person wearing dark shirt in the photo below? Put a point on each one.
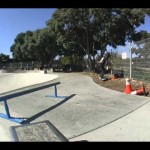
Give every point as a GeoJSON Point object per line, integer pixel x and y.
{"type": "Point", "coordinates": [103, 62]}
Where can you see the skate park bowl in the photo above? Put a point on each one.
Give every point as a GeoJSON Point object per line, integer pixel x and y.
{"type": "Point", "coordinates": [17, 80]}
{"type": "Point", "coordinates": [86, 108]}
{"type": "Point", "coordinates": [18, 84]}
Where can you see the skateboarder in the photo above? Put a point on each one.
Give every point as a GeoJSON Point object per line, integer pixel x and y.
{"type": "Point", "coordinates": [103, 62]}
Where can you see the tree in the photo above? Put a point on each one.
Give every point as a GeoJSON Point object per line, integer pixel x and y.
{"type": "Point", "coordinates": [141, 47]}
{"type": "Point", "coordinates": [94, 28]}
{"type": "Point", "coordinates": [38, 45]}
{"type": "Point", "coordinates": [72, 33]}
{"type": "Point", "coordinates": [4, 58]}
{"type": "Point", "coordinates": [16, 48]}
{"type": "Point", "coordinates": [45, 46]}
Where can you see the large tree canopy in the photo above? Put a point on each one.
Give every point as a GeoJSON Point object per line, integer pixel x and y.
{"type": "Point", "coordinates": [37, 45]}
{"type": "Point", "coordinates": [95, 28]}
{"type": "Point", "coordinates": [141, 47]}
{"type": "Point", "coordinates": [16, 48]}
{"type": "Point", "coordinates": [44, 45]}
{"type": "Point", "coordinates": [79, 32]}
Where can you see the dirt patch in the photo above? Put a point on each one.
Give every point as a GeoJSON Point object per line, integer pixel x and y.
{"type": "Point", "coordinates": [118, 84]}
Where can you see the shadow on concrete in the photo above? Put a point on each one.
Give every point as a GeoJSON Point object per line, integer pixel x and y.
{"type": "Point", "coordinates": [80, 141]}
{"type": "Point", "coordinates": [47, 110]}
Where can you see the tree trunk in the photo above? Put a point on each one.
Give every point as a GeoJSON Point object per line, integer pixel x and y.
{"type": "Point", "coordinates": [90, 61]}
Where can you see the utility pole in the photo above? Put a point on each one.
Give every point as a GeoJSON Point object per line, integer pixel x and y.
{"type": "Point", "coordinates": [130, 61]}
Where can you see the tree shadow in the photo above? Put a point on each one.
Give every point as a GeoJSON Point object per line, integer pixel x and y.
{"type": "Point", "coordinates": [47, 110]}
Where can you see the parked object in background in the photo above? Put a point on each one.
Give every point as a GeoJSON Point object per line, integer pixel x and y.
{"type": "Point", "coordinates": [115, 76]}
{"type": "Point", "coordinates": [118, 73]}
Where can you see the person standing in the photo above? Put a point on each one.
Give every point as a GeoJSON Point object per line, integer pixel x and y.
{"type": "Point", "coordinates": [27, 66]}
{"type": "Point", "coordinates": [103, 62]}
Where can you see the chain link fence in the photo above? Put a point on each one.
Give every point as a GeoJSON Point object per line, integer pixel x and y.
{"type": "Point", "coordinates": [140, 61]}
{"type": "Point", "coordinates": [19, 65]}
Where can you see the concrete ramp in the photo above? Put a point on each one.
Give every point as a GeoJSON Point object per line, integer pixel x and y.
{"type": "Point", "coordinates": [92, 107]}
{"type": "Point", "coordinates": [13, 81]}
{"type": "Point", "coordinates": [87, 107]}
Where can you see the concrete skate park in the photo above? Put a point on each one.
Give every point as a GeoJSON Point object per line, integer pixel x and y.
{"type": "Point", "coordinates": [83, 110]}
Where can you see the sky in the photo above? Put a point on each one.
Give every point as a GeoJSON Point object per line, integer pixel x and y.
{"type": "Point", "coordinates": [16, 20]}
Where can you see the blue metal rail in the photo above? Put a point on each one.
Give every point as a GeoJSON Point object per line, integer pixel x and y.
{"type": "Point", "coordinates": [16, 93]}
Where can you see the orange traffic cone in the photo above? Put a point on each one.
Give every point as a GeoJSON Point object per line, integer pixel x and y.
{"type": "Point", "coordinates": [128, 88]}
{"type": "Point", "coordinates": [139, 91]}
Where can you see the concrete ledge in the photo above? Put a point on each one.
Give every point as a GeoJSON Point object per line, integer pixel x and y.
{"type": "Point", "coordinates": [40, 131]}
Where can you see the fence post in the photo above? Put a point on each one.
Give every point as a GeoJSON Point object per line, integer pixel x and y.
{"type": "Point", "coordinates": [130, 61]}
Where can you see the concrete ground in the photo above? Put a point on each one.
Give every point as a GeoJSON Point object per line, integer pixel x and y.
{"type": "Point", "coordinates": [88, 112]}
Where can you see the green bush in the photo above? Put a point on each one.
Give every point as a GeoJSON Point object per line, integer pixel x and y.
{"type": "Point", "coordinates": [65, 60]}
